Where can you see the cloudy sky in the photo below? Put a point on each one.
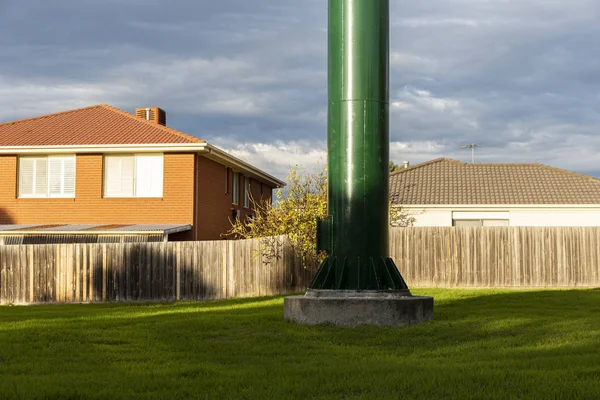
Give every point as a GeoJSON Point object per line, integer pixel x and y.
{"type": "Point", "coordinates": [520, 78]}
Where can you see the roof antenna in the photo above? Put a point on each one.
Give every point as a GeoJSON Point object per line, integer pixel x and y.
{"type": "Point", "coordinates": [472, 147]}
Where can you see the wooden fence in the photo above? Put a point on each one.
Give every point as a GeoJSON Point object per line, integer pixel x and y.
{"type": "Point", "coordinates": [498, 256]}
{"type": "Point", "coordinates": [146, 272]}
{"type": "Point", "coordinates": [426, 257]}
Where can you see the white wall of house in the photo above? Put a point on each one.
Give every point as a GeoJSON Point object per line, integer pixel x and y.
{"type": "Point", "coordinates": [518, 215]}
{"type": "Point", "coordinates": [572, 217]}
{"type": "Point", "coordinates": [431, 217]}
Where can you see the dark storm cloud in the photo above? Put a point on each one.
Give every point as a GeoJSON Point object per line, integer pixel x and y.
{"type": "Point", "coordinates": [519, 78]}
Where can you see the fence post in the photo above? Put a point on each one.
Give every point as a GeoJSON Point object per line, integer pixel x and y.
{"type": "Point", "coordinates": [178, 266]}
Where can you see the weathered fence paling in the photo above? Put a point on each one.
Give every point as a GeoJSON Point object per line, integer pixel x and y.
{"type": "Point", "coordinates": [497, 256]}
{"type": "Point", "coordinates": [146, 271]}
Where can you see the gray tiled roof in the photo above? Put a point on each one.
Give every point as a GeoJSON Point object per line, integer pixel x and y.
{"type": "Point", "coordinates": [447, 181]}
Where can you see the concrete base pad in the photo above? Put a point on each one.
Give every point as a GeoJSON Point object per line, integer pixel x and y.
{"type": "Point", "coordinates": [346, 309]}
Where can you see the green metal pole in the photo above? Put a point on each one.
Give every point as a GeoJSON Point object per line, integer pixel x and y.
{"type": "Point", "coordinates": [355, 233]}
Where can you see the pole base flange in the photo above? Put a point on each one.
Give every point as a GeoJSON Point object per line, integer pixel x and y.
{"type": "Point", "coordinates": [358, 273]}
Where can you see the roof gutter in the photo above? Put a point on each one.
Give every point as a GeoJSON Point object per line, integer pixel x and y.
{"type": "Point", "coordinates": [105, 148]}
{"type": "Point", "coordinates": [497, 207]}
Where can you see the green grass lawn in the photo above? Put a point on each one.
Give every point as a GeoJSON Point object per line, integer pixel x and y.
{"type": "Point", "coordinates": [483, 344]}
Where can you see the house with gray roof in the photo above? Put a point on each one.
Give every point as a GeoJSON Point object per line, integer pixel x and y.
{"type": "Point", "coordinates": [447, 192]}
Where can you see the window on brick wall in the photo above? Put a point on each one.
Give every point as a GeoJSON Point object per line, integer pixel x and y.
{"type": "Point", "coordinates": [47, 176]}
{"type": "Point", "coordinates": [226, 180]}
{"type": "Point", "coordinates": [134, 175]}
{"type": "Point", "coordinates": [246, 192]}
{"type": "Point", "coordinates": [235, 189]}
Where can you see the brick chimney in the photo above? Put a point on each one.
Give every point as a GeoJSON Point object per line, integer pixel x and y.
{"type": "Point", "coordinates": [154, 114]}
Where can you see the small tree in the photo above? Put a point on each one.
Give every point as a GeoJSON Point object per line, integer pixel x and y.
{"type": "Point", "coordinates": [400, 217]}
{"type": "Point", "coordinates": [294, 214]}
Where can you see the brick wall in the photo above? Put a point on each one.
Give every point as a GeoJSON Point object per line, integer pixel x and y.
{"type": "Point", "coordinates": [88, 206]}
{"type": "Point", "coordinates": [215, 198]}
{"type": "Point", "coordinates": [210, 181]}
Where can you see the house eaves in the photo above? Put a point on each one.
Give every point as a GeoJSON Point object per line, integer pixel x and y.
{"type": "Point", "coordinates": [497, 206]}
{"type": "Point", "coordinates": [238, 165]}
{"type": "Point", "coordinates": [204, 148]}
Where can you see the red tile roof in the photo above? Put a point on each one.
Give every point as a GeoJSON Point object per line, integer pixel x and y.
{"type": "Point", "coordinates": [95, 125]}
{"type": "Point", "coordinates": [447, 181]}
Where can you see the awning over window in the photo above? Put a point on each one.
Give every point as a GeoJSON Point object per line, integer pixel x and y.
{"type": "Point", "coordinates": [87, 233]}
{"type": "Point", "coordinates": [96, 229]}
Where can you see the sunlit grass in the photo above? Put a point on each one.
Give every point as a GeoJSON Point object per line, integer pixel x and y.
{"type": "Point", "coordinates": [483, 344]}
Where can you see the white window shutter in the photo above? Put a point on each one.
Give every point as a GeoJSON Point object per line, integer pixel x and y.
{"type": "Point", "coordinates": [48, 176]}
{"type": "Point", "coordinates": [246, 192]}
{"type": "Point", "coordinates": [69, 177]}
{"type": "Point", "coordinates": [149, 175]}
{"type": "Point", "coordinates": [118, 176]}
{"type": "Point", "coordinates": [143, 179]}
{"type": "Point", "coordinates": [112, 176]}
{"type": "Point", "coordinates": [55, 174]}
{"type": "Point", "coordinates": [236, 187]}
{"type": "Point", "coordinates": [127, 176]}
{"type": "Point", "coordinates": [41, 177]}
{"type": "Point", "coordinates": [26, 176]}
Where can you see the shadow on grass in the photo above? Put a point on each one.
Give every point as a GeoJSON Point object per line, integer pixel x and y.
{"type": "Point", "coordinates": [486, 344]}
{"type": "Point", "coordinates": [55, 311]}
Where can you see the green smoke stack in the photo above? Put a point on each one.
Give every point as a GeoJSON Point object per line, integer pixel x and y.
{"type": "Point", "coordinates": [355, 234]}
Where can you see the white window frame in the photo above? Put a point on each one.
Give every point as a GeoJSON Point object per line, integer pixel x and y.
{"type": "Point", "coordinates": [135, 176]}
{"type": "Point", "coordinates": [246, 192]}
{"type": "Point", "coordinates": [235, 190]}
{"type": "Point", "coordinates": [49, 195]}
{"type": "Point", "coordinates": [482, 222]}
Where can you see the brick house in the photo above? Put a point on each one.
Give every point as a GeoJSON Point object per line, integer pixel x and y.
{"type": "Point", "coordinates": [100, 169]}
